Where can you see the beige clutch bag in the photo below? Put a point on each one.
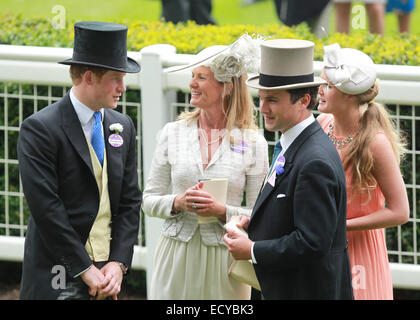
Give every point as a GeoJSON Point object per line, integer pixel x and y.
{"type": "Point", "coordinates": [242, 270]}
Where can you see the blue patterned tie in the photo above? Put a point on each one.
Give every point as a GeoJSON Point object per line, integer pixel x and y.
{"type": "Point", "coordinates": [277, 150]}
{"type": "Point", "coordinates": [97, 139]}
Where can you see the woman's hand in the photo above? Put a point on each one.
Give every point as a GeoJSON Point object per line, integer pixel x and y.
{"type": "Point", "coordinates": [191, 199]}
{"type": "Point", "coordinates": [195, 199]}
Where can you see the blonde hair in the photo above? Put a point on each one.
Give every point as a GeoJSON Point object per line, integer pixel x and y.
{"type": "Point", "coordinates": [237, 106]}
{"type": "Point", "coordinates": [359, 154]}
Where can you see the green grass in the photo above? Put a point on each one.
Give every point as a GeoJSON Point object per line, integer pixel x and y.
{"type": "Point", "coordinates": [225, 11]}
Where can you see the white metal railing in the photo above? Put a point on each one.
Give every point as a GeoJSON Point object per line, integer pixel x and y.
{"type": "Point", "coordinates": [162, 94]}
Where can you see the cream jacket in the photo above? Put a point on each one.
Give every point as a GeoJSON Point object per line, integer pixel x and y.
{"type": "Point", "coordinates": [177, 165]}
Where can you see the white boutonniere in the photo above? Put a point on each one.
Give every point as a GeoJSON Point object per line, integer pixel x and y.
{"type": "Point", "coordinates": [117, 127]}
{"type": "Point", "coordinates": [115, 139]}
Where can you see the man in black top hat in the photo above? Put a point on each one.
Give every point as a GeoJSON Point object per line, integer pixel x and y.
{"type": "Point", "coordinates": [77, 159]}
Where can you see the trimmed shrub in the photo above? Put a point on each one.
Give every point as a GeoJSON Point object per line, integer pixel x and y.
{"type": "Point", "coordinates": [191, 38]}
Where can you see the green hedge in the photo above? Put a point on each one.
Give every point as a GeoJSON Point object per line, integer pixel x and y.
{"type": "Point", "coordinates": [191, 38]}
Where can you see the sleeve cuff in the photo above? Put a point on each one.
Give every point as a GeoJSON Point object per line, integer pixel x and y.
{"type": "Point", "coordinates": [172, 212]}
{"type": "Point", "coordinates": [80, 273]}
{"type": "Point", "coordinates": [254, 261]}
{"type": "Point", "coordinates": [236, 211]}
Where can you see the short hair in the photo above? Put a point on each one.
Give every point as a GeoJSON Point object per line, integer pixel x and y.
{"type": "Point", "coordinates": [77, 71]}
{"type": "Point", "coordinates": [296, 94]}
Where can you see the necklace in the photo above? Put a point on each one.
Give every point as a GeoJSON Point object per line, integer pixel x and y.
{"type": "Point", "coordinates": [203, 134]}
{"type": "Point", "coordinates": [339, 143]}
{"type": "Point", "coordinates": [207, 144]}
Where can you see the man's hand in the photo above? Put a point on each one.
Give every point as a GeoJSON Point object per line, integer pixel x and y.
{"type": "Point", "coordinates": [242, 222]}
{"type": "Point", "coordinates": [93, 278]}
{"type": "Point", "coordinates": [111, 284]}
{"type": "Point", "coordinates": [238, 244]}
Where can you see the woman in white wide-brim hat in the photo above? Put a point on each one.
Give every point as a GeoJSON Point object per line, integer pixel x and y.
{"type": "Point", "coordinates": [218, 139]}
{"type": "Point", "coordinates": [370, 149]}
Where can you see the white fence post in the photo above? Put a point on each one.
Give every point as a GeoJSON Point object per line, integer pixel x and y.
{"type": "Point", "coordinates": [155, 102]}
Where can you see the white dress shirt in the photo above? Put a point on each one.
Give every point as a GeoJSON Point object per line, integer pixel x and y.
{"type": "Point", "coordinates": [85, 115]}
{"type": "Point", "coordinates": [290, 135]}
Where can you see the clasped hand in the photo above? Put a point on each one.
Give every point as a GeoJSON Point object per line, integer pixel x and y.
{"type": "Point", "coordinates": [104, 282]}
{"type": "Point", "coordinates": [195, 199]}
{"type": "Point", "coordinates": [238, 244]}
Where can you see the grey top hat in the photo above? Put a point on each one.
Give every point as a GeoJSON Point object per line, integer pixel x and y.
{"type": "Point", "coordinates": [102, 44]}
{"type": "Point", "coordinates": [286, 64]}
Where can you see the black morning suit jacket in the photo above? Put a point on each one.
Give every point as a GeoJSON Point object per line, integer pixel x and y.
{"type": "Point", "coordinates": [299, 225]}
{"type": "Point", "coordinates": [63, 197]}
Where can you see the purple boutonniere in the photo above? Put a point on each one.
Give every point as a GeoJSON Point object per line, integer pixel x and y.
{"type": "Point", "coordinates": [240, 148]}
{"type": "Point", "coordinates": [279, 166]}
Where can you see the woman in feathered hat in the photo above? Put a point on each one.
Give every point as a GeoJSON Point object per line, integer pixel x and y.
{"type": "Point", "coordinates": [219, 139]}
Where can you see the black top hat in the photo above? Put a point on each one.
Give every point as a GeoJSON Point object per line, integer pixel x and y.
{"type": "Point", "coordinates": [102, 44]}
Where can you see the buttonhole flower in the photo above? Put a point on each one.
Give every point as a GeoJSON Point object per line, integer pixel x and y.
{"type": "Point", "coordinates": [117, 127]}
{"type": "Point", "coordinates": [280, 165]}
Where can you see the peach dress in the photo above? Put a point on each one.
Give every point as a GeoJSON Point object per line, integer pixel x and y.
{"type": "Point", "coordinates": [371, 276]}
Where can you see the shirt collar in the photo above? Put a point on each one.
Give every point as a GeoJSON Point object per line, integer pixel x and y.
{"type": "Point", "coordinates": [290, 135]}
{"type": "Point", "coordinates": [84, 113]}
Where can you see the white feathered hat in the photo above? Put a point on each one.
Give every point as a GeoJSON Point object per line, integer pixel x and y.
{"type": "Point", "coordinates": [225, 62]}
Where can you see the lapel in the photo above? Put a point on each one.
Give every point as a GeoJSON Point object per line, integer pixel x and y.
{"type": "Point", "coordinates": [267, 189]}
{"type": "Point", "coordinates": [219, 151]}
{"type": "Point", "coordinates": [114, 159]}
{"type": "Point", "coordinates": [290, 154]}
{"type": "Point", "coordinates": [192, 133]}
{"type": "Point", "coordinates": [73, 129]}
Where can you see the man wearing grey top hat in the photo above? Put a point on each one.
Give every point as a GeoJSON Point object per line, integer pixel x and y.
{"type": "Point", "coordinates": [297, 230]}
{"type": "Point", "coordinates": [77, 159]}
